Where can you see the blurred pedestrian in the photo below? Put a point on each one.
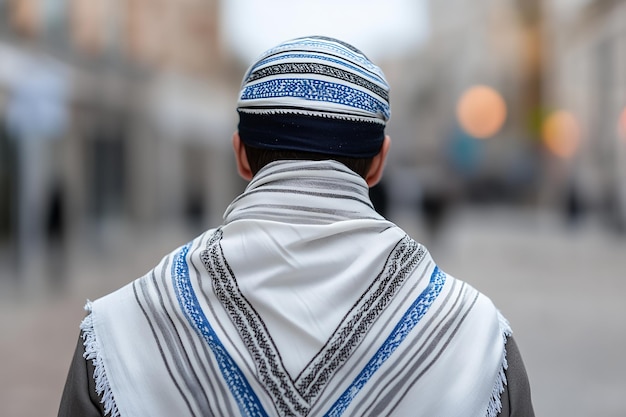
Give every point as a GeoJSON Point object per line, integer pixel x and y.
{"type": "Point", "coordinates": [305, 301]}
{"type": "Point", "coordinates": [37, 118]}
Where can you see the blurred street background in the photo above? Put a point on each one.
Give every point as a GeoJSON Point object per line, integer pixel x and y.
{"type": "Point", "coordinates": [508, 161]}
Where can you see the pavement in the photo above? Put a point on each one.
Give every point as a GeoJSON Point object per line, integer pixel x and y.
{"type": "Point", "coordinates": [562, 289]}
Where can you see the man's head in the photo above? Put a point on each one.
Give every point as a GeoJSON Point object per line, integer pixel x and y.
{"type": "Point", "coordinates": [313, 98]}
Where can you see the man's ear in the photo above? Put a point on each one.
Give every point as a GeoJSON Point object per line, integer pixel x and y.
{"type": "Point", "coordinates": [375, 173]}
{"type": "Point", "coordinates": [243, 167]}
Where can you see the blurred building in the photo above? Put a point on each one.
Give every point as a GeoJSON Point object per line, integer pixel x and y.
{"type": "Point", "coordinates": [147, 134]}
{"type": "Point", "coordinates": [486, 45]}
{"type": "Point", "coordinates": [584, 75]}
{"type": "Point", "coordinates": [557, 65]}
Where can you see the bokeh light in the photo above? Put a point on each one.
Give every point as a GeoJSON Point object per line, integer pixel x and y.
{"type": "Point", "coordinates": [481, 111]}
{"type": "Point", "coordinates": [561, 133]}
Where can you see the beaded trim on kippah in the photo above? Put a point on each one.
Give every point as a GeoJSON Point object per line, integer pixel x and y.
{"type": "Point", "coordinates": [317, 77]}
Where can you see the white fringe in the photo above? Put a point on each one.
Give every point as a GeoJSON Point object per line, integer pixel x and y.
{"type": "Point", "coordinates": [92, 352]}
{"type": "Point", "coordinates": [495, 403]}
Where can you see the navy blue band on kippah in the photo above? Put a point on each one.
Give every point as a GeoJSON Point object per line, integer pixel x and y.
{"type": "Point", "coordinates": [304, 133]}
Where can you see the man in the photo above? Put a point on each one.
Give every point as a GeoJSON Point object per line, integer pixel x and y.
{"type": "Point", "coordinates": [305, 301]}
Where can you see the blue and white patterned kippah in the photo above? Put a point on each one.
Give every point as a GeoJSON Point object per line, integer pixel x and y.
{"type": "Point", "coordinates": [314, 94]}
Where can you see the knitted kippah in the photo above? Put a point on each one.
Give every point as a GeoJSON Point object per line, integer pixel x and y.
{"type": "Point", "coordinates": [314, 94]}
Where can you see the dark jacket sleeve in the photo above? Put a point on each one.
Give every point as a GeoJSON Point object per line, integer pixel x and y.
{"type": "Point", "coordinates": [79, 397]}
{"type": "Point", "coordinates": [516, 400]}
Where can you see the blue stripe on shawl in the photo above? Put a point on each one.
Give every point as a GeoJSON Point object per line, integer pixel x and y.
{"type": "Point", "coordinates": [249, 404]}
{"type": "Point", "coordinates": [409, 320]}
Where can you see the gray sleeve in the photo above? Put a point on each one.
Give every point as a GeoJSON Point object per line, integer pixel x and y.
{"type": "Point", "coordinates": [79, 397]}
{"type": "Point", "coordinates": [516, 400]}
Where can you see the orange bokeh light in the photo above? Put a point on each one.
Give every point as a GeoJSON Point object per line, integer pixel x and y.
{"type": "Point", "coordinates": [561, 134]}
{"type": "Point", "coordinates": [481, 111]}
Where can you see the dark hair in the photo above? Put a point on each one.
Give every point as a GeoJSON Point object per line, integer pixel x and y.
{"type": "Point", "coordinates": [258, 158]}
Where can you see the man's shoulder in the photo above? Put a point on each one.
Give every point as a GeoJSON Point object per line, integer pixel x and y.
{"type": "Point", "coordinates": [161, 269]}
{"type": "Point", "coordinates": [480, 300]}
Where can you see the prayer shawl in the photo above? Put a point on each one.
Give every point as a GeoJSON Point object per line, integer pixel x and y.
{"type": "Point", "coordinates": [305, 302]}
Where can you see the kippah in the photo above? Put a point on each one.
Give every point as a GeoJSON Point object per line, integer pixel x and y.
{"type": "Point", "coordinates": [314, 94]}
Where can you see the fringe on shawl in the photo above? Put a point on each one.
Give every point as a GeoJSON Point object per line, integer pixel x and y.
{"type": "Point", "coordinates": [92, 352]}
{"type": "Point", "coordinates": [495, 403]}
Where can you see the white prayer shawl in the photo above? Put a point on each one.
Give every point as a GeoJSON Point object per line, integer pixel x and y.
{"type": "Point", "coordinates": [305, 302]}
